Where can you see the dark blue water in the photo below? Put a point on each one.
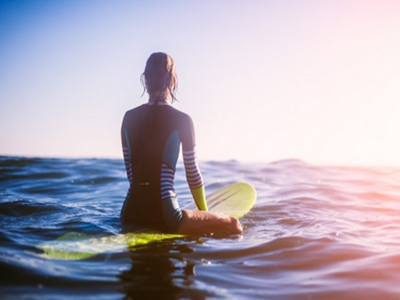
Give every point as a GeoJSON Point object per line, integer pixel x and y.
{"type": "Point", "coordinates": [316, 232]}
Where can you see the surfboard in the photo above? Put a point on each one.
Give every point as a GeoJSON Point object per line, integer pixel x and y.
{"type": "Point", "coordinates": [236, 200]}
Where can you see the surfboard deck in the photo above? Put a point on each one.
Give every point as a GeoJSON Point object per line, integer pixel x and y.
{"type": "Point", "coordinates": [235, 200]}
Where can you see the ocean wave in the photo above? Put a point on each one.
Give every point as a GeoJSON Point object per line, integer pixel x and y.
{"type": "Point", "coordinates": [318, 232]}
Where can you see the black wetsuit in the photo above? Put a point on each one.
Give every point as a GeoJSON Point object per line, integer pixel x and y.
{"type": "Point", "coordinates": [151, 139]}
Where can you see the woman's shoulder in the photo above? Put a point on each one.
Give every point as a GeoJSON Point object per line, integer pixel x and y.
{"type": "Point", "coordinates": [167, 111]}
{"type": "Point", "coordinates": [178, 112]}
{"type": "Point", "coordinates": [180, 115]}
{"type": "Point", "coordinates": [135, 109]}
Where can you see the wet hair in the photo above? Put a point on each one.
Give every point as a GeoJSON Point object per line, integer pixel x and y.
{"type": "Point", "coordinates": [159, 78]}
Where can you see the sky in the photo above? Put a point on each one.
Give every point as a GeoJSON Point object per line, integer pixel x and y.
{"type": "Point", "coordinates": [314, 80]}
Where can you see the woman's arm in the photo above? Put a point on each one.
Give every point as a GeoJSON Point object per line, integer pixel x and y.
{"type": "Point", "coordinates": [127, 154]}
{"type": "Point", "coordinates": [194, 178]}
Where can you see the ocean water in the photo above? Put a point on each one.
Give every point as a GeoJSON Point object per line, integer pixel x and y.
{"type": "Point", "coordinates": [316, 232]}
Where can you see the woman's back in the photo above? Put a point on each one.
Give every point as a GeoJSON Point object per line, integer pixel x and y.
{"type": "Point", "coordinates": [151, 136]}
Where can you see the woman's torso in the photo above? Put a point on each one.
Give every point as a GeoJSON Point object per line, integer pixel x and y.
{"type": "Point", "coordinates": [151, 137]}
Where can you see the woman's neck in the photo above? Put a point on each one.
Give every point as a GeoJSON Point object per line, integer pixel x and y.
{"type": "Point", "coordinates": [159, 102]}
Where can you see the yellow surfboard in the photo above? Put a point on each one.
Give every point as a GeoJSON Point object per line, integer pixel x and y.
{"type": "Point", "coordinates": [235, 200]}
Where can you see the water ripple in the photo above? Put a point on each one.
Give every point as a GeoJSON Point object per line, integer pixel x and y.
{"type": "Point", "coordinates": [316, 232]}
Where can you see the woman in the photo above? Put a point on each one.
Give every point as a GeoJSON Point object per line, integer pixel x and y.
{"type": "Point", "coordinates": [151, 138]}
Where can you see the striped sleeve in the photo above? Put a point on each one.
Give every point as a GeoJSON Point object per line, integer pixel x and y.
{"type": "Point", "coordinates": [127, 154]}
{"type": "Point", "coordinates": [128, 164]}
{"type": "Point", "coordinates": [193, 175]}
{"type": "Point", "coordinates": [167, 182]}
